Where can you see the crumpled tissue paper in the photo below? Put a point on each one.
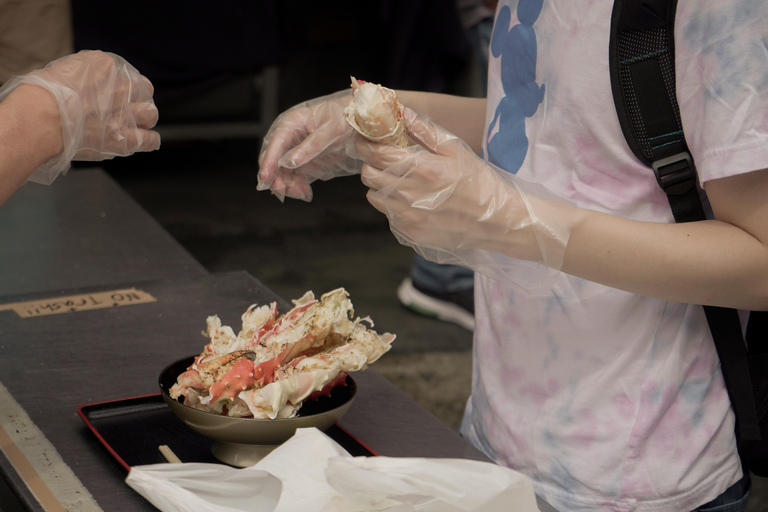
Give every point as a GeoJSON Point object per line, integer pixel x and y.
{"type": "Point", "coordinates": [311, 473]}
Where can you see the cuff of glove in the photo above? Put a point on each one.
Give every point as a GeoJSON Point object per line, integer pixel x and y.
{"type": "Point", "coordinates": [68, 103]}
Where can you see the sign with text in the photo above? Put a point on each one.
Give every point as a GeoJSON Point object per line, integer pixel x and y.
{"type": "Point", "coordinates": [74, 303]}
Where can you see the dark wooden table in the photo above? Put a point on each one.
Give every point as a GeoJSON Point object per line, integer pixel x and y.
{"type": "Point", "coordinates": [83, 230]}
{"type": "Point", "coordinates": [52, 364]}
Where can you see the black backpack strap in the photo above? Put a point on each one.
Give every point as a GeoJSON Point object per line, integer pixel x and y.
{"type": "Point", "coordinates": [757, 343]}
{"type": "Point", "coordinates": [642, 59]}
{"type": "Point", "coordinates": [642, 66]}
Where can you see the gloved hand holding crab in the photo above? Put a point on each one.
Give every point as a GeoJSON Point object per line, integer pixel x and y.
{"type": "Point", "coordinates": [439, 196]}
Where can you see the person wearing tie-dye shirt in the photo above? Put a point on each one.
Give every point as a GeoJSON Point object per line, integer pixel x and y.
{"type": "Point", "coordinates": [605, 389]}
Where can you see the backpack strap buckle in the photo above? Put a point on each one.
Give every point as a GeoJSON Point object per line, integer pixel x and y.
{"type": "Point", "coordinates": [675, 174]}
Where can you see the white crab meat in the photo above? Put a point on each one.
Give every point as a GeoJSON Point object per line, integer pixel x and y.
{"type": "Point", "coordinates": [283, 398]}
{"type": "Point", "coordinates": [376, 113]}
{"type": "Point", "coordinates": [277, 363]}
{"type": "Point", "coordinates": [309, 374]}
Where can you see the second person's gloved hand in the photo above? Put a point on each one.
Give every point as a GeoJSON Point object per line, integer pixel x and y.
{"type": "Point", "coordinates": [105, 106]}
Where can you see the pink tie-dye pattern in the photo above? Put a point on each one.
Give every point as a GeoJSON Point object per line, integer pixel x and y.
{"type": "Point", "coordinates": [588, 430]}
{"type": "Point", "coordinates": [693, 100]}
{"type": "Point", "coordinates": [762, 124]}
{"type": "Point", "coordinates": [664, 424]}
{"type": "Point", "coordinates": [537, 393]}
{"type": "Point", "coordinates": [624, 405]}
{"type": "Point", "coordinates": [513, 375]}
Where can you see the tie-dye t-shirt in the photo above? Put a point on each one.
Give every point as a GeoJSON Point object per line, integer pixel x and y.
{"type": "Point", "coordinates": [606, 399]}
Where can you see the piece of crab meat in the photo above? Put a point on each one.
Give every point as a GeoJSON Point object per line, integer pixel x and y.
{"type": "Point", "coordinates": [211, 371]}
{"type": "Point", "coordinates": [310, 324]}
{"type": "Point", "coordinates": [283, 398]}
{"type": "Point", "coordinates": [361, 348]}
{"type": "Point", "coordinates": [195, 399]}
{"type": "Point", "coordinates": [186, 380]}
{"type": "Point", "coordinates": [257, 321]}
{"type": "Point", "coordinates": [338, 380]}
{"type": "Point", "coordinates": [307, 375]}
{"type": "Point", "coordinates": [279, 362]}
{"type": "Point", "coordinates": [376, 113]}
{"type": "Point", "coordinates": [240, 376]}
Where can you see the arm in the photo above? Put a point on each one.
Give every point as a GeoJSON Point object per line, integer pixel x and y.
{"type": "Point", "coordinates": [30, 134]}
{"type": "Point", "coordinates": [86, 106]}
{"type": "Point", "coordinates": [444, 199]}
{"type": "Point", "coordinates": [720, 262]}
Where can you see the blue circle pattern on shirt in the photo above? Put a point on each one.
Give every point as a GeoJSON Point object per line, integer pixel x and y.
{"type": "Point", "coordinates": [522, 95]}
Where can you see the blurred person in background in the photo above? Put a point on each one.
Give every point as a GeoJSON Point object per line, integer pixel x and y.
{"type": "Point", "coordinates": [32, 34]}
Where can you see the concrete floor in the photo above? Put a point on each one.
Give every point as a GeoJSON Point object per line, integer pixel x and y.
{"type": "Point", "coordinates": [204, 194]}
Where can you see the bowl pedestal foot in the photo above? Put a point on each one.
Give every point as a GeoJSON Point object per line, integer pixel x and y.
{"type": "Point", "coordinates": [241, 455]}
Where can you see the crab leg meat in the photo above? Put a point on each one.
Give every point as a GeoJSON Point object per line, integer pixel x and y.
{"type": "Point", "coordinates": [274, 364]}
{"type": "Point", "coordinates": [376, 113]}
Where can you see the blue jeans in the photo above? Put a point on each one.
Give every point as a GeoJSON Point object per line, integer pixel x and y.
{"type": "Point", "coordinates": [450, 278]}
{"type": "Point", "coordinates": [734, 499]}
{"type": "Point", "coordinates": [441, 278]}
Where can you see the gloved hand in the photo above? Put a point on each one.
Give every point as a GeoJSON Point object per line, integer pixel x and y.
{"type": "Point", "coordinates": [306, 143]}
{"type": "Point", "coordinates": [452, 207]}
{"type": "Point", "coordinates": [105, 106]}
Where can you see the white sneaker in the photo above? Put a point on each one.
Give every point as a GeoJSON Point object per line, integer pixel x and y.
{"type": "Point", "coordinates": [449, 307]}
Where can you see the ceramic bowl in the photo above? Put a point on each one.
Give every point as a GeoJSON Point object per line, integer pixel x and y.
{"type": "Point", "coordinates": [242, 442]}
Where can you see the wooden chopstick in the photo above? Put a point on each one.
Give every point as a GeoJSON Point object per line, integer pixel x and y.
{"type": "Point", "coordinates": [168, 454]}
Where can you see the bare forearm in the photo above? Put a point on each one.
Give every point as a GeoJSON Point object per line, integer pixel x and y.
{"type": "Point", "coordinates": [30, 134]}
{"type": "Point", "coordinates": [709, 262]}
{"type": "Point", "coordinates": [462, 116]}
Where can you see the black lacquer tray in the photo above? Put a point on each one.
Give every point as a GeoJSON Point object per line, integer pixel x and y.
{"type": "Point", "coordinates": [132, 429]}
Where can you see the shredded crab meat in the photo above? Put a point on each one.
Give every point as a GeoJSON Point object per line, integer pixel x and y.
{"type": "Point", "coordinates": [275, 363]}
{"type": "Point", "coordinates": [376, 113]}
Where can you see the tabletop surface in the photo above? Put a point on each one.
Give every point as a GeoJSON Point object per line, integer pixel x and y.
{"type": "Point", "coordinates": [52, 364]}
{"type": "Point", "coordinates": [84, 236]}
{"type": "Point", "coordinates": [83, 230]}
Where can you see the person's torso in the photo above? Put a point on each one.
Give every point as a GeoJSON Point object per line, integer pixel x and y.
{"type": "Point", "coordinates": [606, 398]}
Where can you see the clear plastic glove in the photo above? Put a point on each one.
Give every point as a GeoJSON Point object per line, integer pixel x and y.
{"type": "Point", "coordinates": [306, 143]}
{"type": "Point", "coordinates": [105, 106]}
{"type": "Point", "coordinates": [455, 208]}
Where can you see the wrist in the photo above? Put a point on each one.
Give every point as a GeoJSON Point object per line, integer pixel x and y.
{"type": "Point", "coordinates": [38, 122]}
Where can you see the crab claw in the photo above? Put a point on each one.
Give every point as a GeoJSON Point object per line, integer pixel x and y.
{"type": "Point", "coordinates": [376, 113]}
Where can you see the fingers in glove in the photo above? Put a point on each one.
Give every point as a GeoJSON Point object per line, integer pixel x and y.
{"type": "Point", "coordinates": [142, 89]}
{"type": "Point", "coordinates": [284, 137]}
{"type": "Point", "coordinates": [307, 150]}
{"type": "Point", "coordinates": [375, 179]}
{"type": "Point", "coordinates": [409, 225]}
{"type": "Point", "coordinates": [291, 185]}
{"type": "Point", "coordinates": [145, 114]}
{"type": "Point", "coordinates": [150, 140]}
{"type": "Point", "coordinates": [418, 182]}
{"type": "Point", "coordinates": [296, 155]}
{"type": "Point", "coordinates": [381, 156]}
{"type": "Point", "coordinates": [431, 136]}
{"type": "Point", "coordinates": [130, 140]}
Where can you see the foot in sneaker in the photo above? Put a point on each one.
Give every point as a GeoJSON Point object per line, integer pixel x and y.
{"type": "Point", "coordinates": [455, 307]}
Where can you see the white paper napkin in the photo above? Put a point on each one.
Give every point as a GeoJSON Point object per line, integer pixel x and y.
{"type": "Point", "coordinates": [311, 473]}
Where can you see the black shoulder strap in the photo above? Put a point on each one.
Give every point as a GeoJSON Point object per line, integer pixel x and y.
{"type": "Point", "coordinates": [642, 65]}
{"type": "Point", "coordinates": [642, 59]}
